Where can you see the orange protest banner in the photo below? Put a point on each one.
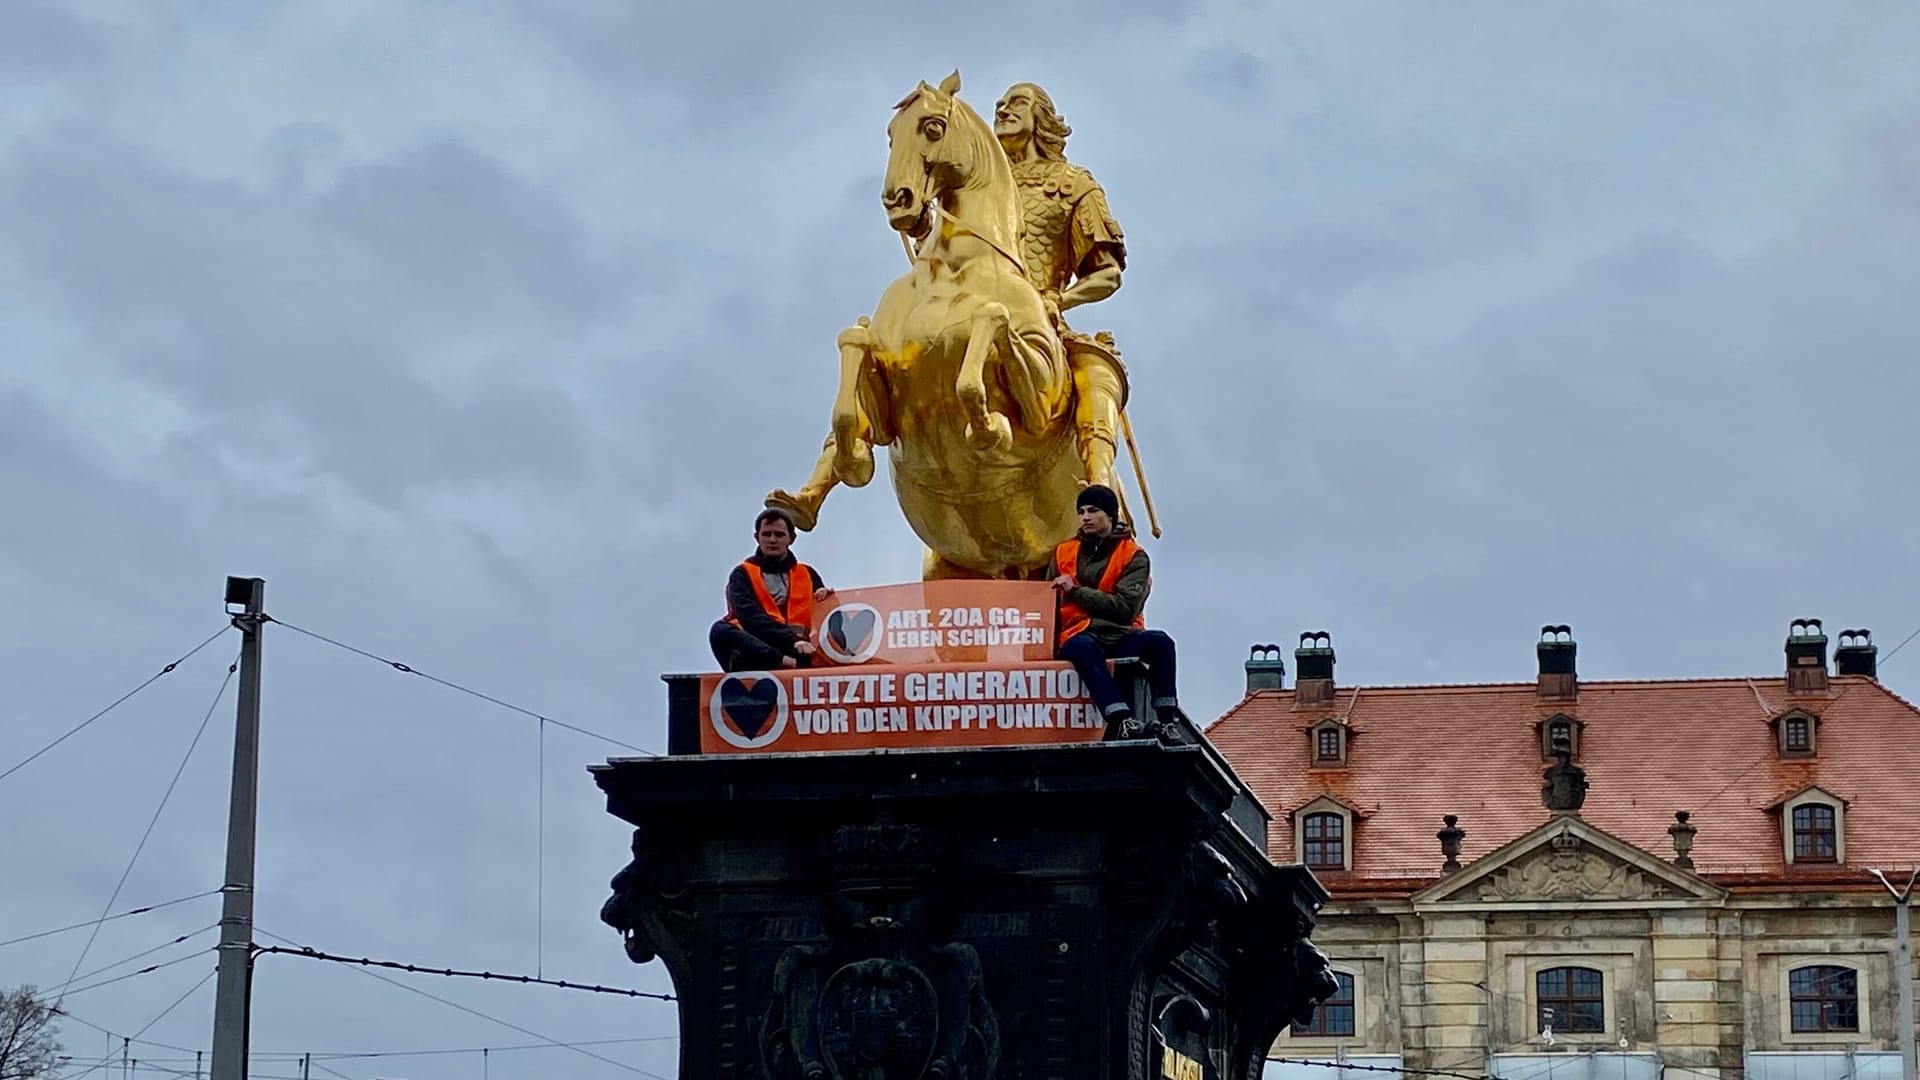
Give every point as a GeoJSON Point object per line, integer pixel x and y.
{"type": "Point", "coordinates": [904, 707]}
{"type": "Point", "coordinates": [936, 622]}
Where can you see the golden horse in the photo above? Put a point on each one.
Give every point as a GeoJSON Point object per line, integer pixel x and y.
{"type": "Point", "coordinates": [960, 372]}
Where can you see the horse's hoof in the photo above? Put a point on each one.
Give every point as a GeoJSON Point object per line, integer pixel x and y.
{"type": "Point", "coordinates": [854, 467]}
{"type": "Point", "coordinates": [805, 511]}
{"type": "Point", "coordinates": [997, 435]}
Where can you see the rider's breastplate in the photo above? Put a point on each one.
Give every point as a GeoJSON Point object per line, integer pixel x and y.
{"type": "Point", "coordinates": [1048, 192]}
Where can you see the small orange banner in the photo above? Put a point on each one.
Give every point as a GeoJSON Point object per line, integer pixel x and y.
{"type": "Point", "coordinates": [936, 622]}
{"type": "Point", "coordinates": [905, 707]}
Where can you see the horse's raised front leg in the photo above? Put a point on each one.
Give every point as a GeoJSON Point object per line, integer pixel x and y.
{"type": "Point", "coordinates": [852, 426]}
{"type": "Point", "coordinates": [986, 429]}
{"type": "Point", "coordinates": [1033, 362]}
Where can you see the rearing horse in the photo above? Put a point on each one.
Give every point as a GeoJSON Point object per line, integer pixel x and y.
{"type": "Point", "coordinates": [960, 373]}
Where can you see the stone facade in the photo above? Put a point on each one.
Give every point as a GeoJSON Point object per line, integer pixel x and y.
{"type": "Point", "coordinates": [1693, 977]}
{"type": "Point", "coordinates": [1680, 868]}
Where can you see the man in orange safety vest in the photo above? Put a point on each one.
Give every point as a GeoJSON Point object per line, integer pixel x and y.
{"type": "Point", "coordinates": [770, 600]}
{"type": "Point", "coordinates": [1103, 580]}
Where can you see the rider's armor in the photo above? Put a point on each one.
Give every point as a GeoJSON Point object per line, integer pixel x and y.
{"type": "Point", "coordinates": [1066, 220]}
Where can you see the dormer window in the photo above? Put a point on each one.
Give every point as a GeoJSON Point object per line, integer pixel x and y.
{"type": "Point", "coordinates": [1798, 734]}
{"type": "Point", "coordinates": [1814, 835]}
{"type": "Point", "coordinates": [1559, 730]}
{"type": "Point", "coordinates": [1325, 841]}
{"type": "Point", "coordinates": [1795, 729]}
{"type": "Point", "coordinates": [1329, 743]}
{"type": "Point", "coordinates": [1323, 834]}
{"type": "Point", "coordinates": [1813, 827]}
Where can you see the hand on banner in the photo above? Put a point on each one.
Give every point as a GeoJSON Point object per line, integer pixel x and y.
{"type": "Point", "coordinates": [821, 594]}
{"type": "Point", "coordinates": [804, 647]}
{"type": "Point", "coordinates": [789, 662]}
{"type": "Point", "coordinates": [1063, 583]}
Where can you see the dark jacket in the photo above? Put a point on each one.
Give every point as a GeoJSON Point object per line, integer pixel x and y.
{"type": "Point", "coordinates": [744, 605]}
{"type": "Point", "coordinates": [1111, 614]}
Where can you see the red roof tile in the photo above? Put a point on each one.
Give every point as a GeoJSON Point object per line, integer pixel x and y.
{"type": "Point", "coordinates": [1648, 748]}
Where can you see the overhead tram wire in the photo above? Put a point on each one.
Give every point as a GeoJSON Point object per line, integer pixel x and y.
{"type": "Point", "coordinates": [110, 918]}
{"type": "Point", "coordinates": [409, 669]}
{"type": "Point", "coordinates": [132, 975]}
{"type": "Point", "coordinates": [151, 822]}
{"type": "Point", "coordinates": [148, 1026]}
{"type": "Point", "coordinates": [1398, 1070]}
{"type": "Point", "coordinates": [65, 1015]}
{"type": "Point", "coordinates": [121, 700]}
{"type": "Point", "coordinates": [317, 1057]}
{"type": "Point", "coordinates": [320, 1055]}
{"type": "Point", "coordinates": [147, 952]}
{"type": "Point", "coordinates": [1902, 645]}
{"type": "Point", "coordinates": [493, 1019]}
{"type": "Point", "coordinates": [490, 976]}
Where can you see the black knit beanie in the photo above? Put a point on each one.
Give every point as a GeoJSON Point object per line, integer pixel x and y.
{"type": "Point", "coordinates": [1100, 497]}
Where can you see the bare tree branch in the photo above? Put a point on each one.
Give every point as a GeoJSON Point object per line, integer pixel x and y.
{"type": "Point", "coordinates": [28, 1046]}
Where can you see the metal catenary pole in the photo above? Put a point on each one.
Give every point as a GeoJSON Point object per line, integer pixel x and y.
{"type": "Point", "coordinates": [235, 970]}
{"type": "Point", "coordinates": [1903, 968]}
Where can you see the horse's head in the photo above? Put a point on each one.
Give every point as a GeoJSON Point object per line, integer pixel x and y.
{"type": "Point", "coordinates": [936, 144]}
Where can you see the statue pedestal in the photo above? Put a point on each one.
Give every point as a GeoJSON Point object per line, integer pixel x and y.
{"type": "Point", "coordinates": [1077, 912]}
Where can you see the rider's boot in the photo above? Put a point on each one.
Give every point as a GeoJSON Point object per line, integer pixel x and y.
{"type": "Point", "coordinates": [1096, 415]}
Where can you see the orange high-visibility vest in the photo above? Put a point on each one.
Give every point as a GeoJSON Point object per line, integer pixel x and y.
{"type": "Point", "coordinates": [1066, 559]}
{"type": "Point", "coordinates": [799, 610]}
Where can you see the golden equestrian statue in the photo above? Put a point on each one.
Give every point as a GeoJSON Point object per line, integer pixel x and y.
{"type": "Point", "coordinates": [994, 413]}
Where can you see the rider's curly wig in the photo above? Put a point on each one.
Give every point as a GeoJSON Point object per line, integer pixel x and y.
{"type": "Point", "coordinates": [1050, 130]}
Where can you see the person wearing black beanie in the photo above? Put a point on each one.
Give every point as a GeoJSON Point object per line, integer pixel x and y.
{"type": "Point", "coordinates": [1103, 579]}
{"type": "Point", "coordinates": [1102, 498]}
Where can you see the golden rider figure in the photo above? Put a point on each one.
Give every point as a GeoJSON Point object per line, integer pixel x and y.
{"type": "Point", "coordinates": [1074, 254]}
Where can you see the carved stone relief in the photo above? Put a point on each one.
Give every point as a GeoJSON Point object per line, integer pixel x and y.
{"type": "Point", "coordinates": [1561, 874]}
{"type": "Point", "coordinates": [886, 998]}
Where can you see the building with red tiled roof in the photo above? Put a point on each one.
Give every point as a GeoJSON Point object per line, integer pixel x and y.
{"type": "Point", "coordinates": [1616, 877]}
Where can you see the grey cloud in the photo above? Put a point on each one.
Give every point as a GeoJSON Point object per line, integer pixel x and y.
{"type": "Point", "coordinates": [39, 40]}
{"type": "Point", "coordinates": [704, 57]}
{"type": "Point", "coordinates": [302, 308]}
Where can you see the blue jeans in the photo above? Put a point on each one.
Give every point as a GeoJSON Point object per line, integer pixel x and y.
{"type": "Point", "coordinates": [1089, 657]}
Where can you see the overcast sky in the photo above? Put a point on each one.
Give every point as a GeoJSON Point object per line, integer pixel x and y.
{"type": "Point", "coordinates": [479, 330]}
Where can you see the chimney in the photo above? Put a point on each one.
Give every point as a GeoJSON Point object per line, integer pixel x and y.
{"type": "Point", "coordinates": [1806, 657]}
{"type": "Point", "coordinates": [1313, 667]}
{"type": "Point", "coordinates": [1265, 669]}
{"type": "Point", "coordinates": [1558, 681]}
{"type": "Point", "coordinates": [1857, 654]}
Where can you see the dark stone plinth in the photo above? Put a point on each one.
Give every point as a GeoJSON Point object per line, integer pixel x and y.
{"type": "Point", "coordinates": [1067, 913]}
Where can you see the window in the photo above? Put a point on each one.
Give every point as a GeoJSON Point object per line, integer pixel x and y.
{"type": "Point", "coordinates": [1570, 1000]}
{"type": "Point", "coordinates": [1813, 834]}
{"type": "Point", "coordinates": [1326, 744]}
{"type": "Point", "coordinates": [1559, 732]}
{"type": "Point", "coordinates": [1797, 729]}
{"type": "Point", "coordinates": [1334, 1016]}
{"type": "Point", "coordinates": [1798, 735]}
{"type": "Point", "coordinates": [1824, 998]}
{"type": "Point", "coordinates": [1326, 842]}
